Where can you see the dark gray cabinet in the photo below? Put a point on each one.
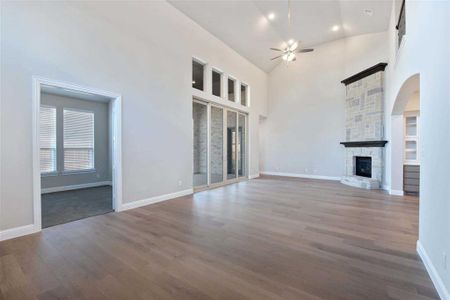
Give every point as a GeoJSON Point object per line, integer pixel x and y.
{"type": "Point", "coordinates": [411, 179]}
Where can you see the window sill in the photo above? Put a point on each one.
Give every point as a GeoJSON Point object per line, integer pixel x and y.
{"type": "Point", "coordinates": [49, 174]}
{"type": "Point", "coordinates": [75, 172]}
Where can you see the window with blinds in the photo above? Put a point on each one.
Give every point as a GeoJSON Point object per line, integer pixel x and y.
{"type": "Point", "coordinates": [78, 140]}
{"type": "Point", "coordinates": [47, 139]}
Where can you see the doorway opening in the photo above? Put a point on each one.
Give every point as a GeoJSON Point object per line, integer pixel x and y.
{"type": "Point", "coordinates": [76, 152]}
{"type": "Point", "coordinates": [219, 145]}
{"type": "Point", "coordinates": [406, 138]}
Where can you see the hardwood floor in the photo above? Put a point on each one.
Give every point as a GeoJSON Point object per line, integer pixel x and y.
{"type": "Point", "coordinates": [269, 238]}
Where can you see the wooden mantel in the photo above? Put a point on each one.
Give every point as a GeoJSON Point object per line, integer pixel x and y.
{"type": "Point", "coordinates": [365, 73]}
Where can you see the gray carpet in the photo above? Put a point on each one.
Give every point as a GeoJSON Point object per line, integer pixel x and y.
{"type": "Point", "coordinates": [63, 207]}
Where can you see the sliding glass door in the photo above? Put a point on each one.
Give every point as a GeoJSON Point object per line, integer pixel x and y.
{"type": "Point", "coordinates": [231, 144]}
{"type": "Point", "coordinates": [216, 145]}
{"type": "Point", "coordinates": [200, 152]}
{"type": "Point", "coordinates": [242, 145]}
{"type": "Point", "coordinates": [219, 144]}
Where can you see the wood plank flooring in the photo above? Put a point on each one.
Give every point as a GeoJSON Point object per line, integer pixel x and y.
{"type": "Point", "coordinates": [269, 238]}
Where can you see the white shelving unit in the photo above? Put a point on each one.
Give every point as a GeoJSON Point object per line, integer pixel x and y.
{"type": "Point", "coordinates": [411, 140]}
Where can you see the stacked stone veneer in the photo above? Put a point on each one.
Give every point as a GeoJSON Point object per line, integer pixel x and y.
{"type": "Point", "coordinates": [364, 122]}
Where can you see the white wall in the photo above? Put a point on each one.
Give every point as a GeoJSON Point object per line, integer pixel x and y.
{"type": "Point", "coordinates": [306, 116]}
{"type": "Point", "coordinates": [426, 51]}
{"type": "Point", "coordinates": [141, 50]}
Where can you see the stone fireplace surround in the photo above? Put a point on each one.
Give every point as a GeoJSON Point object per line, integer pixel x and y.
{"type": "Point", "coordinates": [365, 126]}
{"type": "Point", "coordinates": [376, 153]}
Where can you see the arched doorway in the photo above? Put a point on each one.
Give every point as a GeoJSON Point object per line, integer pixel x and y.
{"type": "Point", "coordinates": [405, 143]}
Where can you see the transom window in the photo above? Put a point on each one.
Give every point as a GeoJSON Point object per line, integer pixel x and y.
{"type": "Point", "coordinates": [216, 83]}
{"type": "Point", "coordinates": [244, 92]}
{"type": "Point", "coordinates": [231, 93]}
{"type": "Point", "coordinates": [197, 75]}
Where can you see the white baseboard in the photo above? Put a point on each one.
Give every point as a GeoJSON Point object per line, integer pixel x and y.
{"type": "Point", "coordinates": [253, 176]}
{"type": "Point", "coordinates": [434, 275]}
{"type": "Point", "coordinates": [148, 201]}
{"type": "Point", "coordinates": [310, 176]}
{"type": "Point", "coordinates": [396, 192]}
{"type": "Point", "coordinates": [32, 228]}
{"type": "Point", "coordinates": [17, 231]}
{"type": "Point", "coordinates": [74, 187]}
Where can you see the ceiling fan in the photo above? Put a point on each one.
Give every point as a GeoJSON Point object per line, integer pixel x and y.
{"type": "Point", "coordinates": [288, 53]}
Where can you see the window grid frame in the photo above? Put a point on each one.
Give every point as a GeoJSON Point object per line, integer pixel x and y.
{"type": "Point", "coordinates": [65, 171]}
{"type": "Point", "coordinates": [55, 171]}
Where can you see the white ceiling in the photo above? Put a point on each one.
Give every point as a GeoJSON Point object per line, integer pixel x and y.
{"type": "Point", "coordinates": [244, 25]}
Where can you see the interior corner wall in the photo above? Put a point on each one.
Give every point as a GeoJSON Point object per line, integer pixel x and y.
{"type": "Point", "coordinates": [141, 50]}
{"type": "Point", "coordinates": [427, 23]}
{"type": "Point", "coordinates": [306, 115]}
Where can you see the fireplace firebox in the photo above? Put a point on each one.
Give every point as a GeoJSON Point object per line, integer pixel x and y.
{"type": "Point", "coordinates": [363, 166]}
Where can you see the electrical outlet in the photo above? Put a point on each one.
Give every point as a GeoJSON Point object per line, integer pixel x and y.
{"type": "Point", "coordinates": [306, 170]}
{"type": "Point", "coordinates": [180, 182]}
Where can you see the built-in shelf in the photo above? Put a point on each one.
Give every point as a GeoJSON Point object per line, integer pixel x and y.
{"type": "Point", "coordinates": [411, 138]}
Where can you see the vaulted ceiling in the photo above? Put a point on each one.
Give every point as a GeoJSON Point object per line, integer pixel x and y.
{"type": "Point", "coordinates": [246, 27]}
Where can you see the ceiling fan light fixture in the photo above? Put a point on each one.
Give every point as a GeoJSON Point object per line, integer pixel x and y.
{"type": "Point", "coordinates": [293, 46]}
{"type": "Point", "coordinates": [288, 50]}
{"type": "Point", "coordinates": [289, 57]}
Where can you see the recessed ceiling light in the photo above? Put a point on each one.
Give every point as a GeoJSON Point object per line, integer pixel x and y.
{"type": "Point", "coordinates": [291, 41]}
{"type": "Point", "coordinates": [368, 12]}
{"type": "Point", "coordinates": [335, 28]}
{"type": "Point", "coordinates": [271, 16]}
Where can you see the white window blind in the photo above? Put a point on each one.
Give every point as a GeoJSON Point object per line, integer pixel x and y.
{"type": "Point", "coordinates": [78, 140]}
{"type": "Point", "coordinates": [47, 139]}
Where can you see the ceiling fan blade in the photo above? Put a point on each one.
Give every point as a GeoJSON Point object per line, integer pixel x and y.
{"type": "Point", "coordinates": [276, 49]}
{"type": "Point", "coordinates": [305, 50]}
{"type": "Point", "coordinates": [277, 57]}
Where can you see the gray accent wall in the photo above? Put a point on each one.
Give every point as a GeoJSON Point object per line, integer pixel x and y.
{"type": "Point", "coordinates": [101, 147]}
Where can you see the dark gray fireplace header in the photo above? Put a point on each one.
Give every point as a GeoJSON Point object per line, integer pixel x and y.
{"type": "Point", "coordinates": [367, 72]}
{"type": "Point", "coordinates": [361, 144]}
